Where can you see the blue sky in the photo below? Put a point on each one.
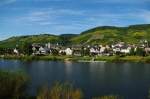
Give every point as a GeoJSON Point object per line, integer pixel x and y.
{"type": "Point", "coordinates": [26, 17]}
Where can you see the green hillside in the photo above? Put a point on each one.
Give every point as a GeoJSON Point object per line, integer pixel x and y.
{"type": "Point", "coordinates": [43, 38]}
{"type": "Point", "coordinates": [110, 34]}
{"type": "Point", "coordinates": [98, 35]}
{"type": "Point", "coordinates": [103, 35]}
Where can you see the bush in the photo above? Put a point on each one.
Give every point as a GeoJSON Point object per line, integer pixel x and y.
{"type": "Point", "coordinates": [109, 97]}
{"type": "Point", "coordinates": [140, 52]}
{"type": "Point", "coordinates": [59, 91]}
{"type": "Point", "coordinates": [12, 84]}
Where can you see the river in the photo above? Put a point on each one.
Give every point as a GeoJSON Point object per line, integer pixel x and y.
{"type": "Point", "coordinates": [130, 80]}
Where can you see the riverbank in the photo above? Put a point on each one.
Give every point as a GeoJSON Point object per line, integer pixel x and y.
{"type": "Point", "coordinates": [81, 59]}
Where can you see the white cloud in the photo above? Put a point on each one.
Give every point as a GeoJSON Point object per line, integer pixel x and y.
{"type": "Point", "coordinates": [61, 18]}
{"type": "Point", "coordinates": [5, 2]}
{"type": "Point", "coordinates": [48, 16]}
{"type": "Point", "coordinates": [65, 20]}
{"type": "Point", "coordinates": [118, 18]}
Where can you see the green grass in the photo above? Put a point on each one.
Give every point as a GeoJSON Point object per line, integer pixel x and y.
{"type": "Point", "coordinates": [13, 84]}
{"type": "Point", "coordinates": [85, 58]}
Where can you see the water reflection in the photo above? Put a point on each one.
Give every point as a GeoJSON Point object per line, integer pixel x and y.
{"type": "Point", "coordinates": [68, 67]}
{"type": "Point", "coordinates": [130, 80]}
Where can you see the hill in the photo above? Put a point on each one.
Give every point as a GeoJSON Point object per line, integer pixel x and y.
{"type": "Point", "coordinates": [98, 35]}
{"type": "Point", "coordinates": [110, 34]}
{"type": "Point", "coordinates": [20, 40]}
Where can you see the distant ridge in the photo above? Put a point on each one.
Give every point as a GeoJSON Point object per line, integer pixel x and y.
{"type": "Point", "coordinates": [97, 35]}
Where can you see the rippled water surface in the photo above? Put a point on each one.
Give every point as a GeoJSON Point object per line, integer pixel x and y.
{"type": "Point", "coordinates": [131, 80]}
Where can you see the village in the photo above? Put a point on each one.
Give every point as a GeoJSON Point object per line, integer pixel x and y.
{"type": "Point", "coordinates": [119, 48]}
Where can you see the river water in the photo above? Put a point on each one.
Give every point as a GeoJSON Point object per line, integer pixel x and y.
{"type": "Point", "coordinates": [130, 80]}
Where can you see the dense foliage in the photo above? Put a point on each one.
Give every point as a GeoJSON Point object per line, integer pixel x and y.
{"type": "Point", "coordinates": [12, 84]}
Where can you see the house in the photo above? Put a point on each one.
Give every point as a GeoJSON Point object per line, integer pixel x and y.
{"type": "Point", "coordinates": [62, 52]}
{"type": "Point", "coordinates": [126, 50]}
{"type": "Point", "coordinates": [116, 50]}
{"type": "Point", "coordinates": [16, 51]}
{"type": "Point", "coordinates": [94, 51]}
{"type": "Point", "coordinates": [35, 48]}
{"type": "Point", "coordinates": [42, 51]}
{"type": "Point", "coordinates": [78, 50]}
{"type": "Point", "coordinates": [77, 53]}
{"type": "Point", "coordinates": [147, 50]}
{"type": "Point", "coordinates": [49, 45]}
{"type": "Point", "coordinates": [48, 50]}
{"type": "Point", "coordinates": [68, 51]}
{"type": "Point", "coordinates": [102, 50]}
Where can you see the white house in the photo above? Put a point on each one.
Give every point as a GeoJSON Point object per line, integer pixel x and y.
{"type": "Point", "coordinates": [42, 50]}
{"type": "Point", "coordinates": [62, 51]}
{"type": "Point", "coordinates": [116, 50]}
{"type": "Point", "coordinates": [16, 51]}
{"type": "Point", "coordinates": [126, 51]}
{"type": "Point", "coordinates": [92, 50]}
{"type": "Point", "coordinates": [147, 50]}
{"type": "Point", "coordinates": [68, 51]}
{"type": "Point", "coordinates": [102, 49]}
{"type": "Point", "coordinates": [49, 45]}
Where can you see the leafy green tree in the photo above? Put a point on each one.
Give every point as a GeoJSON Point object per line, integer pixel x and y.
{"type": "Point", "coordinates": [132, 52]}
{"type": "Point", "coordinates": [25, 48]}
{"type": "Point", "coordinates": [55, 52]}
{"type": "Point", "coordinates": [85, 51]}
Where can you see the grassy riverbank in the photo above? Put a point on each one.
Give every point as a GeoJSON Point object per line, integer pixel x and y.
{"type": "Point", "coordinates": [85, 58]}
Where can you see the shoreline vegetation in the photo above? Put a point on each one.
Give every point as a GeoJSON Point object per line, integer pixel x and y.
{"type": "Point", "coordinates": [140, 59]}
{"type": "Point", "coordinates": [13, 85]}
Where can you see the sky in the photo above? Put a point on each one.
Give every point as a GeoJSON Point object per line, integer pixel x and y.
{"type": "Point", "coordinates": [27, 17]}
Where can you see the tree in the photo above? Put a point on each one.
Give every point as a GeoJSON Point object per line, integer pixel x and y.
{"type": "Point", "coordinates": [85, 51]}
{"type": "Point", "coordinates": [25, 48]}
{"type": "Point", "coordinates": [132, 52]}
{"type": "Point", "coordinates": [140, 52]}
